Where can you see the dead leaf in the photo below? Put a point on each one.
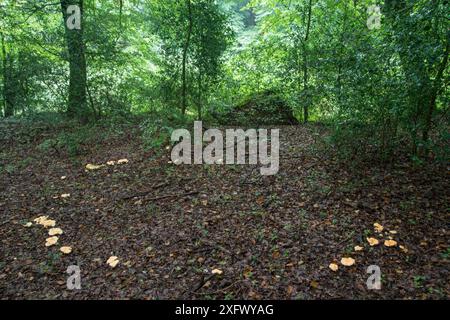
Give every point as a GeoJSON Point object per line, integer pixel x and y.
{"type": "Point", "coordinates": [28, 225]}
{"type": "Point", "coordinates": [348, 262]}
{"type": "Point", "coordinates": [65, 195]}
{"type": "Point", "coordinates": [359, 248]}
{"type": "Point", "coordinates": [290, 265]}
{"type": "Point", "coordinates": [290, 290]}
{"type": "Point", "coordinates": [404, 249]}
{"type": "Point", "coordinates": [260, 200]}
{"type": "Point", "coordinates": [111, 163]}
{"type": "Point", "coordinates": [122, 161]}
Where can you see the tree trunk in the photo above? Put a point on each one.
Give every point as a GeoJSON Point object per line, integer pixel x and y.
{"type": "Point", "coordinates": [424, 96]}
{"type": "Point", "coordinates": [77, 104]}
{"type": "Point", "coordinates": [8, 106]}
{"type": "Point", "coordinates": [199, 103]}
{"type": "Point", "coordinates": [305, 66]}
{"type": "Point", "coordinates": [185, 52]}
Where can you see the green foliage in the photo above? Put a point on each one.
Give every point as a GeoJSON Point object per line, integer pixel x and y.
{"type": "Point", "coordinates": [73, 139]}
{"type": "Point", "coordinates": [70, 143]}
{"type": "Point", "coordinates": [381, 90]}
{"type": "Point", "coordinates": [266, 108]}
{"type": "Point", "coordinates": [158, 127]}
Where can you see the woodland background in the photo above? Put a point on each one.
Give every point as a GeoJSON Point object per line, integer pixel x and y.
{"type": "Point", "coordinates": [85, 131]}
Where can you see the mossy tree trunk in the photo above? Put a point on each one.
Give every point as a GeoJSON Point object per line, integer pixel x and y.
{"type": "Point", "coordinates": [77, 103]}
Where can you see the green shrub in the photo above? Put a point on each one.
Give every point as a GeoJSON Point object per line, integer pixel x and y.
{"type": "Point", "coordinates": [158, 128]}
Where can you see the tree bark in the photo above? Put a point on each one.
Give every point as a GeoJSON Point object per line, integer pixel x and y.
{"type": "Point", "coordinates": [185, 52]}
{"type": "Point", "coordinates": [77, 103]}
{"type": "Point", "coordinates": [8, 106]}
{"type": "Point", "coordinates": [200, 96]}
{"type": "Point", "coordinates": [305, 66]}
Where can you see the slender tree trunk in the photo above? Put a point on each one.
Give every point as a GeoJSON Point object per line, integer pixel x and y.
{"type": "Point", "coordinates": [77, 104]}
{"type": "Point", "coordinates": [305, 66]}
{"type": "Point", "coordinates": [185, 52]}
{"type": "Point", "coordinates": [340, 58]}
{"type": "Point", "coordinates": [199, 103]}
{"type": "Point", "coordinates": [4, 103]}
{"type": "Point", "coordinates": [8, 105]}
{"type": "Point", "coordinates": [424, 96]}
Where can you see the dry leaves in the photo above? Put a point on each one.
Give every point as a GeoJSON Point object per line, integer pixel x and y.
{"type": "Point", "coordinates": [359, 248]}
{"type": "Point", "coordinates": [122, 161]}
{"type": "Point", "coordinates": [65, 196]}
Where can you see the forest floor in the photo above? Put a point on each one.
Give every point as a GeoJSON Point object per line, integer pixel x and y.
{"type": "Point", "coordinates": [171, 226]}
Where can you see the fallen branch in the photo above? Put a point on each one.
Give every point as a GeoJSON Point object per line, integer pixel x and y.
{"type": "Point", "coordinates": [218, 291]}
